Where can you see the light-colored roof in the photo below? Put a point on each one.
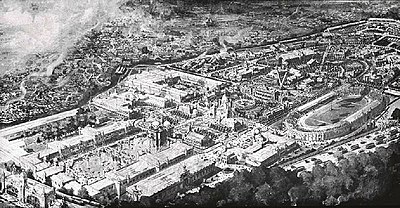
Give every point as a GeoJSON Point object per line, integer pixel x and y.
{"type": "Point", "coordinates": [99, 185]}
{"type": "Point", "coordinates": [5, 157]}
{"type": "Point", "coordinates": [36, 123]}
{"type": "Point", "coordinates": [268, 151]}
{"type": "Point", "coordinates": [175, 150]}
{"type": "Point", "coordinates": [51, 171]}
{"type": "Point", "coordinates": [91, 190]}
{"type": "Point", "coordinates": [131, 170]}
{"type": "Point", "coordinates": [316, 101]}
{"type": "Point", "coordinates": [113, 127]}
{"type": "Point", "coordinates": [359, 113]}
{"type": "Point", "coordinates": [149, 161]}
{"type": "Point", "coordinates": [55, 145]}
{"type": "Point", "coordinates": [263, 154]}
{"type": "Point", "coordinates": [13, 150]}
{"type": "Point", "coordinates": [31, 158]}
{"type": "Point", "coordinates": [62, 177]}
{"type": "Point", "coordinates": [169, 176]}
{"type": "Point", "coordinates": [41, 166]}
{"type": "Point", "coordinates": [196, 136]}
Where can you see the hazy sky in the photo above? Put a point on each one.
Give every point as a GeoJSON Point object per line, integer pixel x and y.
{"type": "Point", "coordinates": [53, 26]}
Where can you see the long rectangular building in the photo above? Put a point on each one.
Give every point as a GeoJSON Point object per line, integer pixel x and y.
{"type": "Point", "coordinates": [270, 153]}
{"type": "Point", "coordinates": [309, 105]}
{"type": "Point", "coordinates": [117, 181]}
{"type": "Point", "coordinates": [165, 184]}
{"type": "Point", "coordinates": [17, 131]}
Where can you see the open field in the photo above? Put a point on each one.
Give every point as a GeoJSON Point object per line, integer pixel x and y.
{"type": "Point", "coordinates": [336, 111]}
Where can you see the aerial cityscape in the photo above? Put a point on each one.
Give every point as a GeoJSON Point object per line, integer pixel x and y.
{"type": "Point", "coordinates": [142, 103]}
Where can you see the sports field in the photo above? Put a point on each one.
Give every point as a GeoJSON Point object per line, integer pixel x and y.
{"type": "Point", "coordinates": [336, 111]}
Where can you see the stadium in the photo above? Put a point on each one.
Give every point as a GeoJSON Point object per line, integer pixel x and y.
{"type": "Point", "coordinates": [335, 114]}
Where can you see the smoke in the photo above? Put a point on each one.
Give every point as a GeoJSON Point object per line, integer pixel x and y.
{"type": "Point", "coordinates": [49, 26]}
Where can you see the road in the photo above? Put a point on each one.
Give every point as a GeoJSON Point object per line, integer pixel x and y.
{"type": "Point", "coordinates": [346, 139]}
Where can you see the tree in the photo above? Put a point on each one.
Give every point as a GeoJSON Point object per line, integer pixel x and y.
{"type": "Point", "coordinates": [241, 193]}
{"type": "Point", "coordinates": [396, 114]}
{"type": "Point", "coordinates": [264, 194]}
{"type": "Point", "coordinates": [66, 191]}
{"type": "Point", "coordinates": [29, 174]}
{"type": "Point", "coordinates": [331, 168]}
{"type": "Point", "coordinates": [83, 193]}
{"type": "Point", "coordinates": [330, 201]}
{"type": "Point", "coordinates": [298, 193]}
{"type": "Point", "coordinates": [383, 154]}
{"type": "Point", "coordinates": [332, 185]}
{"type": "Point", "coordinates": [64, 204]}
{"type": "Point", "coordinates": [241, 188]}
{"type": "Point", "coordinates": [394, 12]}
{"type": "Point", "coordinates": [306, 176]}
{"type": "Point", "coordinates": [201, 82]}
{"type": "Point", "coordinates": [257, 176]}
{"type": "Point", "coordinates": [145, 50]}
{"type": "Point", "coordinates": [281, 183]}
{"type": "Point", "coordinates": [365, 91]}
{"type": "Point", "coordinates": [318, 172]}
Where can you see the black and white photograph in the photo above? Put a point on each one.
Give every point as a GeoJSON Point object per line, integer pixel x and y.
{"type": "Point", "coordinates": [199, 103]}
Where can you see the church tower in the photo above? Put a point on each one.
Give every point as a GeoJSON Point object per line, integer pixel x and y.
{"type": "Point", "coordinates": [225, 108]}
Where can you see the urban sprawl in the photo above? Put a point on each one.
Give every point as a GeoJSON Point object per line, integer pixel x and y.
{"type": "Point", "coordinates": [166, 129]}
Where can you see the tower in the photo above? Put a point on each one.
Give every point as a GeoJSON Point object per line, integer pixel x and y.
{"type": "Point", "coordinates": [118, 188]}
{"type": "Point", "coordinates": [225, 108]}
{"type": "Point", "coordinates": [2, 182]}
{"type": "Point", "coordinates": [21, 193]}
{"type": "Point", "coordinates": [159, 135]}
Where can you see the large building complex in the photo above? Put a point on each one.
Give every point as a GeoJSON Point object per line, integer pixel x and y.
{"type": "Point", "coordinates": [335, 118]}
{"type": "Point", "coordinates": [161, 130]}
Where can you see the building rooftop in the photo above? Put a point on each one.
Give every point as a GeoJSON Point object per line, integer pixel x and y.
{"type": "Point", "coordinates": [149, 161]}
{"type": "Point", "coordinates": [56, 145]}
{"type": "Point", "coordinates": [131, 170]}
{"type": "Point", "coordinates": [39, 187]}
{"type": "Point", "coordinates": [51, 171]}
{"type": "Point", "coordinates": [113, 127]}
{"type": "Point", "coordinates": [169, 176]}
{"type": "Point", "coordinates": [195, 136]}
{"type": "Point", "coordinates": [36, 123]}
{"type": "Point", "coordinates": [316, 101]}
{"type": "Point", "coordinates": [91, 190]}
{"type": "Point", "coordinates": [12, 150]}
{"type": "Point", "coordinates": [99, 185]}
{"type": "Point", "coordinates": [62, 177]}
{"type": "Point", "coordinates": [175, 150]}
{"type": "Point", "coordinates": [268, 151]}
{"type": "Point", "coordinates": [4, 156]}
{"type": "Point", "coordinates": [46, 152]}
{"type": "Point", "coordinates": [263, 154]}
{"type": "Point", "coordinates": [41, 166]}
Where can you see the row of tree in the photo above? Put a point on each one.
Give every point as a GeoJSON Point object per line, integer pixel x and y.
{"type": "Point", "coordinates": [360, 177]}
